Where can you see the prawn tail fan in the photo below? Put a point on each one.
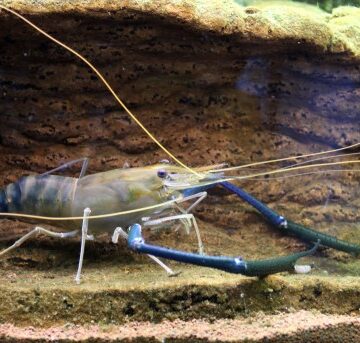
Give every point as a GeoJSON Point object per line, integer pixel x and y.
{"type": "Point", "coordinates": [10, 198]}
{"type": "Point", "coordinates": [21, 196]}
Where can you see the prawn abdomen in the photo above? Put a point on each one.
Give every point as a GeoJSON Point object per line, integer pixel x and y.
{"type": "Point", "coordinates": [48, 195]}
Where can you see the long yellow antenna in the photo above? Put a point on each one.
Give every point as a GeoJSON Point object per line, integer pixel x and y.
{"type": "Point", "coordinates": [290, 167]}
{"type": "Point", "coordinates": [287, 170]}
{"type": "Point", "coordinates": [102, 78]}
{"type": "Point", "coordinates": [278, 171]}
{"type": "Point", "coordinates": [328, 171]}
{"type": "Point", "coordinates": [99, 216]}
{"type": "Point", "coordinates": [287, 158]}
{"type": "Point", "coordinates": [107, 215]}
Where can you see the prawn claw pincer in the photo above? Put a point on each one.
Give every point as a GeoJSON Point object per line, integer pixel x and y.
{"type": "Point", "coordinates": [235, 265]}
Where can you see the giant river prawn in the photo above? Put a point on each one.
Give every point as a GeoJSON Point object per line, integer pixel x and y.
{"type": "Point", "coordinates": [124, 201]}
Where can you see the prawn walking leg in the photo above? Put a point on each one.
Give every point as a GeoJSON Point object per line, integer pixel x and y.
{"type": "Point", "coordinates": [200, 197]}
{"type": "Point", "coordinates": [36, 231]}
{"type": "Point", "coordinates": [186, 216]}
{"type": "Point", "coordinates": [120, 232]}
{"type": "Point", "coordinates": [84, 237]}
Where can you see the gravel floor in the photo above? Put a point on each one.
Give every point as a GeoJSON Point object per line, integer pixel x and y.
{"type": "Point", "coordinates": [255, 328]}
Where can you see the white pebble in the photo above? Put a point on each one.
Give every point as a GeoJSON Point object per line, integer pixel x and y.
{"type": "Point", "coordinates": [302, 269]}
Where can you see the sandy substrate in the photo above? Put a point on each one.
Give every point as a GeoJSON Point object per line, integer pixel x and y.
{"type": "Point", "coordinates": [255, 328]}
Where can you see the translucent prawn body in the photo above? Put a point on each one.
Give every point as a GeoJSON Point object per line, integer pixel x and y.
{"type": "Point", "coordinates": [106, 192]}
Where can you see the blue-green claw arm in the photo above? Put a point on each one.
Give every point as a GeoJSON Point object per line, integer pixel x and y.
{"type": "Point", "coordinates": [273, 217]}
{"type": "Point", "coordinates": [287, 226]}
{"type": "Point", "coordinates": [234, 265]}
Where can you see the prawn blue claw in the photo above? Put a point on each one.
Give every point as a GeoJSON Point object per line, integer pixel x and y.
{"type": "Point", "coordinates": [235, 265]}
{"type": "Point", "coordinates": [273, 217]}
{"type": "Point", "coordinates": [290, 227]}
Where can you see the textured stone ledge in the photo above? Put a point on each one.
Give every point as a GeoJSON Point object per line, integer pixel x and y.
{"type": "Point", "coordinates": [265, 20]}
{"type": "Point", "coordinates": [112, 294]}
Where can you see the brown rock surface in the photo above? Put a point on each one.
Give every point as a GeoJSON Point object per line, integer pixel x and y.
{"type": "Point", "coordinates": [214, 82]}
{"type": "Point", "coordinates": [261, 328]}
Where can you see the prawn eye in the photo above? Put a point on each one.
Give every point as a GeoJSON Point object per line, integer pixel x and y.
{"type": "Point", "coordinates": [162, 173]}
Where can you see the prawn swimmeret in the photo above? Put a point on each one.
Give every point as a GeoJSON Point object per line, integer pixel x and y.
{"type": "Point", "coordinates": [149, 196]}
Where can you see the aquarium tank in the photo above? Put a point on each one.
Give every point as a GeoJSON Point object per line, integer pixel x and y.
{"type": "Point", "coordinates": [180, 171]}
